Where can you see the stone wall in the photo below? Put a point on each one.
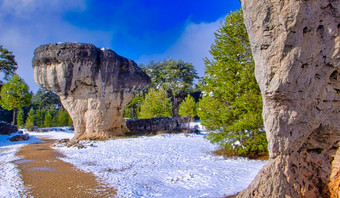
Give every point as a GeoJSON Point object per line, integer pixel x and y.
{"type": "Point", "coordinates": [152, 125]}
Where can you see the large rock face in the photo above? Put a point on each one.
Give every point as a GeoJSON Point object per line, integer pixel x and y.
{"type": "Point", "coordinates": [94, 85]}
{"type": "Point", "coordinates": [296, 47]}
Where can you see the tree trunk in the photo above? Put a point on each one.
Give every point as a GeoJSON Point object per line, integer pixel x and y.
{"type": "Point", "coordinates": [189, 119]}
{"type": "Point", "coordinates": [174, 106]}
{"type": "Point", "coordinates": [14, 116]}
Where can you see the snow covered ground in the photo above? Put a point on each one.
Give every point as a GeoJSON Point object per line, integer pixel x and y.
{"type": "Point", "coordinates": [170, 165]}
{"type": "Point", "coordinates": [11, 184]}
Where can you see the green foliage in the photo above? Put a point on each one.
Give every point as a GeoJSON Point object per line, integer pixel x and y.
{"type": "Point", "coordinates": [7, 62]}
{"type": "Point", "coordinates": [48, 119]}
{"type": "Point", "coordinates": [155, 104]}
{"type": "Point", "coordinates": [69, 120]}
{"type": "Point", "coordinates": [175, 77]}
{"type": "Point", "coordinates": [187, 109]}
{"type": "Point", "coordinates": [131, 110]}
{"type": "Point", "coordinates": [231, 102]}
{"type": "Point", "coordinates": [39, 118]}
{"type": "Point", "coordinates": [15, 95]}
{"type": "Point", "coordinates": [43, 99]}
{"type": "Point", "coordinates": [30, 120]}
{"type": "Point", "coordinates": [47, 101]}
{"type": "Point", "coordinates": [62, 117]}
{"type": "Point", "coordinates": [20, 118]}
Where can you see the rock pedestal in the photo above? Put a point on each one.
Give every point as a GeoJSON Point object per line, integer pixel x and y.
{"type": "Point", "coordinates": [94, 85]}
{"type": "Point", "coordinates": [296, 48]}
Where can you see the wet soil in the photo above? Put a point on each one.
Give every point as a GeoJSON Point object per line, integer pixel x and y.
{"type": "Point", "coordinates": [45, 175]}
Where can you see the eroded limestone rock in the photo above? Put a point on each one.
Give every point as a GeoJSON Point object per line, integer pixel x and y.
{"type": "Point", "coordinates": [94, 85]}
{"type": "Point", "coordinates": [296, 47]}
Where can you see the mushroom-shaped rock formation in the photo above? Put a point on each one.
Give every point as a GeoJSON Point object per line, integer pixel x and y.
{"type": "Point", "coordinates": [296, 48]}
{"type": "Point", "coordinates": [94, 85]}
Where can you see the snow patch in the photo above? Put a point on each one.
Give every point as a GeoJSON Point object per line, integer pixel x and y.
{"type": "Point", "coordinates": [168, 165]}
{"type": "Point", "coordinates": [164, 166]}
{"type": "Point", "coordinates": [11, 184]}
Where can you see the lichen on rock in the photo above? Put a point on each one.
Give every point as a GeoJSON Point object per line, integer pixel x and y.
{"type": "Point", "coordinates": [94, 85]}
{"type": "Point", "coordinates": [296, 48]}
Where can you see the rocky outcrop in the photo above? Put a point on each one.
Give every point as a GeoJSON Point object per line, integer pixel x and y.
{"type": "Point", "coordinates": [296, 48]}
{"type": "Point", "coordinates": [152, 125]}
{"type": "Point", "coordinates": [7, 128]}
{"type": "Point", "coordinates": [19, 137]}
{"type": "Point", "coordinates": [94, 85]}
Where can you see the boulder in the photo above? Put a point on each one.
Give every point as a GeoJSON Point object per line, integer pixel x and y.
{"type": "Point", "coordinates": [7, 128]}
{"type": "Point", "coordinates": [296, 48]}
{"type": "Point", "coordinates": [152, 125]}
{"type": "Point", "coordinates": [93, 84]}
{"type": "Point", "coordinates": [20, 137]}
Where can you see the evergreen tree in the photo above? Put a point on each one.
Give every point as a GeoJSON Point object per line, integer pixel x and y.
{"type": "Point", "coordinates": [131, 110]}
{"type": "Point", "coordinates": [8, 64]}
{"type": "Point", "coordinates": [15, 95]}
{"type": "Point", "coordinates": [187, 109]}
{"type": "Point", "coordinates": [48, 119]}
{"type": "Point", "coordinates": [54, 121]}
{"type": "Point", "coordinates": [62, 117]}
{"type": "Point", "coordinates": [44, 99]}
{"type": "Point", "coordinates": [231, 102]}
{"type": "Point", "coordinates": [155, 104]}
{"type": "Point", "coordinates": [39, 118]}
{"type": "Point", "coordinates": [20, 118]}
{"type": "Point", "coordinates": [30, 120]}
{"type": "Point", "coordinates": [175, 77]}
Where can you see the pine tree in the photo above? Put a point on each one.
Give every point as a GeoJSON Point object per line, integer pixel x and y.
{"type": "Point", "coordinates": [44, 99]}
{"type": "Point", "coordinates": [20, 118]}
{"type": "Point", "coordinates": [54, 121]}
{"type": "Point", "coordinates": [30, 120]}
{"type": "Point", "coordinates": [8, 64]}
{"type": "Point", "coordinates": [62, 117]}
{"type": "Point", "coordinates": [39, 118]}
{"type": "Point", "coordinates": [48, 119]}
{"type": "Point", "coordinates": [15, 95]}
{"type": "Point", "coordinates": [175, 77]}
{"type": "Point", "coordinates": [155, 104]}
{"type": "Point", "coordinates": [187, 109]}
{"type": "Point", "coordinates": [131, 110]}
{"type": "Point", "coordinates": [231, 101]}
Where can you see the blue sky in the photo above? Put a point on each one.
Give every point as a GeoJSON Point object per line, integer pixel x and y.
{"type": "Point", "coordinates": [142, 30]}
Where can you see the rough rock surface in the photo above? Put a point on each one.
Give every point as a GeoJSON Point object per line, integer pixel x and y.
{"type": "Point", "coordinates": [7, 128]}
{"type": "Point", "coordinates": [151, 125]}
{"type": "Point", "coordinates": [20, 137]}
{"type": "Point", "coordinates": [296, 47]}
{"type": "Point", "coordinates": [94, 85]}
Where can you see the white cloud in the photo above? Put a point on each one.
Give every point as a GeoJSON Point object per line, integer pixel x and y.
{"type": "Point", "coordinates": [24, 27]}
{"type": "Point", "coordinates": [26, 24]}
{"type": "Point", "coordinates": [193, 45]}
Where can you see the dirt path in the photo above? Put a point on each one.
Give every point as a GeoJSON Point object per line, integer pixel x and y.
{"type": "Point", "coordinates": [47, 176]}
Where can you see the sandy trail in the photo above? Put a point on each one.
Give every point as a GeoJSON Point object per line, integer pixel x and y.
{"type": "Point", "coordinates": [47, 176]}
